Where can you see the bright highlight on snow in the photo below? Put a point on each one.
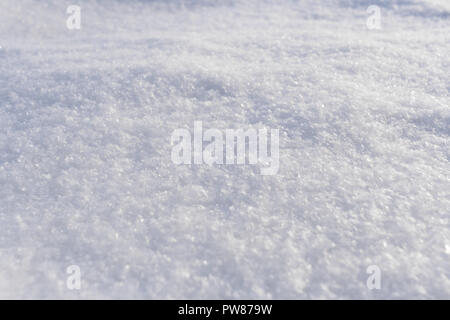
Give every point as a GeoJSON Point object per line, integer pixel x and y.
{"type": "Point", "coordinates": [340, 190]}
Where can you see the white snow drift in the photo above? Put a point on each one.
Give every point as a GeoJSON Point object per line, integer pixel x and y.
{"type": "Point", "coordinates": [86, 176]}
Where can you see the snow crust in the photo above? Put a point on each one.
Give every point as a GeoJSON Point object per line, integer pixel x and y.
{"type": "Point", "coordinates": [86, 176]}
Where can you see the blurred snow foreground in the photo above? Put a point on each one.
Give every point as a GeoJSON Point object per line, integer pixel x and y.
{"type": "Point", "coordinates": [87, 183]}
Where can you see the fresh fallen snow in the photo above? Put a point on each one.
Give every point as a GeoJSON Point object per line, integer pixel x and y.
{"type": "Point", "coordinates": [86, 176]}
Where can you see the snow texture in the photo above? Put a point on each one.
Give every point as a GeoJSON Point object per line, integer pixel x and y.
{"type": "Point", "coordinates": [86, 176]}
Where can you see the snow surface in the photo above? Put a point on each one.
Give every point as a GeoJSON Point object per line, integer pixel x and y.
{"type": "Point", "coordinates": [86, 176]}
